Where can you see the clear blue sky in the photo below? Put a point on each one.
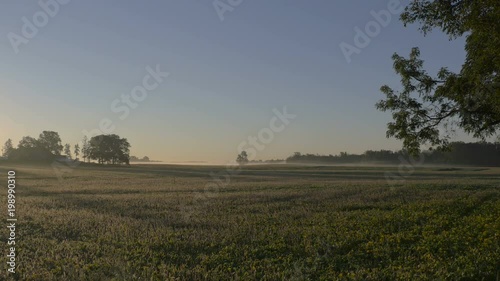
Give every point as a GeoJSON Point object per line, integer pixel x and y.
{"type": "Point", "coordinates": [226, 77]}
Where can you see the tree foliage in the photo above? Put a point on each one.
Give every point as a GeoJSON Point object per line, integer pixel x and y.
{"type": "Point", "coordinates": [85, 148]}
{"type": "Point", "coordinates": [242, 158]}
{"type": "Point", "coordinates": [28, 142]}
{"type": "Point", "coordinates": [7, 148]}
{"type": "Point", "coordinates": [51, 141]}
{"type": "Point", "coordinates": [103, 148]}
{"type": "Point", "coordinates": [109, 149]}
{"type": "Point", "coordinates": [67, 150]}
{"type": "Point", "coordinates": [77, 150]}
{"type": "Point", "coordinates": [31, 154]}
{"type": "Point", "coordinates": [470, 99]}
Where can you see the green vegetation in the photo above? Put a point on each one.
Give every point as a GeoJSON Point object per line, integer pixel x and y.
{"type": "Point", "coordinates": [105, 149]}
{"type": "Point", "coordinates": [470, 99]}
{"type": "Point", "coordinates": [242, 158]}
{"type": "Point", "coordinates": [272, 222]}
{"type": "Point", "coordinates": [109, 149]}
{"type": "Point", "coordinates": [460, 153]}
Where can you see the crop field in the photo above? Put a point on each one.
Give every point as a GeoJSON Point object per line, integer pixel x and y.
{"type": "Point", "coordinates": [275, 222]}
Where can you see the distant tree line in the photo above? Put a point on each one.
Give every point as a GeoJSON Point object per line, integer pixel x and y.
{"type": "Point", "coordinates": [459, 153]}
{"type": "Point", "coordinates": [104, 149]}
{"type": "Point", "coordinates": [143, 159]}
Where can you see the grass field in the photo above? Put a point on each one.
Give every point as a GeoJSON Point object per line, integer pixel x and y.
{"type": "Point", "coordinates": [162, 222]}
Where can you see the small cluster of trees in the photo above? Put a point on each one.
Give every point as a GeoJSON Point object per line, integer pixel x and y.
{"type": "Point", "coordinates": [45, 148]}
{"type": "Point", "coordinates": [109, 149]}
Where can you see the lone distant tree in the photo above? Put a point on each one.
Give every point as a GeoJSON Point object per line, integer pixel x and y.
{"type": "Point", "coordinates": [50, 141]}
{"type": "Point", "coordinates": [242, 158]}
{"type": "Point", "coordinates": [67, 150]}
{"type": "Point", "coordinates": [77, 151]}
{"type": "Point", "coordinates": [109, 149]}
{"type": "Point", "coordinates": [470, 99]}
{"type": "Point", "coordinates": [145, 159]}
{"type": "Point", "coordinates": [7, 148]}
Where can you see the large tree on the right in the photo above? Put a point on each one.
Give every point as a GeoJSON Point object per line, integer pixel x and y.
{"type": "Point", "coordinates": [427, 109]}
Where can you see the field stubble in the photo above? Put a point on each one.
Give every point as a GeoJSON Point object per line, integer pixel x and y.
{"type": "Point", "coordinates": [270, 223]}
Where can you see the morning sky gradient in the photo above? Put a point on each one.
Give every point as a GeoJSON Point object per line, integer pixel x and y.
{"type": "Point", "coordinates": [226, 77]}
